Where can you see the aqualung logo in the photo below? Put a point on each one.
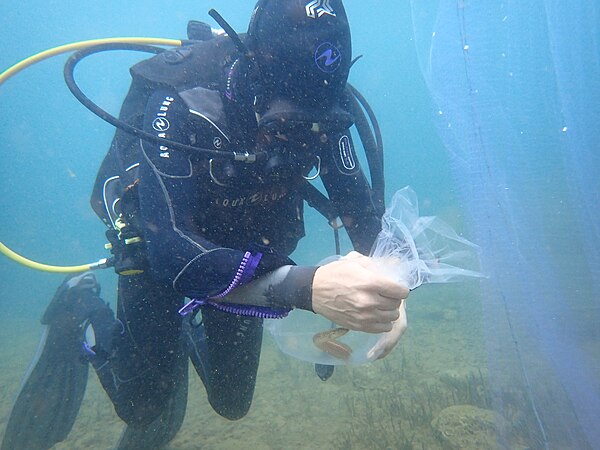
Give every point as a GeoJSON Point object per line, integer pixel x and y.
{"type": "Point", "coordinates": [318, 8]}
{"type": "Point", "coordinates": [160, 124]}
{"type": "Point", "coordinates": [328, 57]}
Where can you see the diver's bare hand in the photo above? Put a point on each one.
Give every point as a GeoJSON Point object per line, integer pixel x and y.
{"type": "Point", "coordinates": [348, 293]}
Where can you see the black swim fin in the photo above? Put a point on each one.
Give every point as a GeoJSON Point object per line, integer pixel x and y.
{"type": "Point", "coordinates": [50, 397]}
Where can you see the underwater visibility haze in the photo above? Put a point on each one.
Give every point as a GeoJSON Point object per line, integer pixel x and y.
{"type": "Point", "coordinates": [489, 111]}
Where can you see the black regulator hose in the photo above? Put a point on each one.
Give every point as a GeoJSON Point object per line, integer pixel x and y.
{"type": "Point", "coordinates": [370, 136]}
{"type": "Point", "coordinates": [69, 70]}
{"type": "Point", "coordinates": [369, 133]}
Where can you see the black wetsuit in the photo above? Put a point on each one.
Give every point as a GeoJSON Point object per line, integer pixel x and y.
{"type": "Point", "coordinates": [198, 216]}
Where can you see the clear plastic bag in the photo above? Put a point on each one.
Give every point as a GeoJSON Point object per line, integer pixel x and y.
{"type": "Point", "coordinates": [410, 249]}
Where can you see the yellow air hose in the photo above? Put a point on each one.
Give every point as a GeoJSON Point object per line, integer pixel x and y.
{"type": "Point", "coordinates": [75, 46]}
{"type": "Point", "coordinates": [101, 264]}
{"type": "Point", "coordinates": [80, 46]}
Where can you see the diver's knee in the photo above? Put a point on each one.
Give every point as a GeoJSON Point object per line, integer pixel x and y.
{"type": "Point", "coordinates": [230, 411]}
{"type": "Point", "coordinates": [233, 414]}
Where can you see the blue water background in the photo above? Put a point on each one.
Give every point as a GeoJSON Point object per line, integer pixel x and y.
{"type": "Point", "coordinates": [495, 163]}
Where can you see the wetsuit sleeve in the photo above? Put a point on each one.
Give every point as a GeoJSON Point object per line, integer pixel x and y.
{"type": "Point", "coordinates": [285, 287]}
{"type": "Point", "coordinates": [177, 254]}
{"type": "Point", "coordinates": [350, 192]}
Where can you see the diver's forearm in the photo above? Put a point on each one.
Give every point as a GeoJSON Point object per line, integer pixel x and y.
{"type": "Point", "coordinates": [286, 287]}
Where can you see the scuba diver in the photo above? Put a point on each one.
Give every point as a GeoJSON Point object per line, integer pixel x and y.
{"type": "Point", "coordinates": [201, 244]}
